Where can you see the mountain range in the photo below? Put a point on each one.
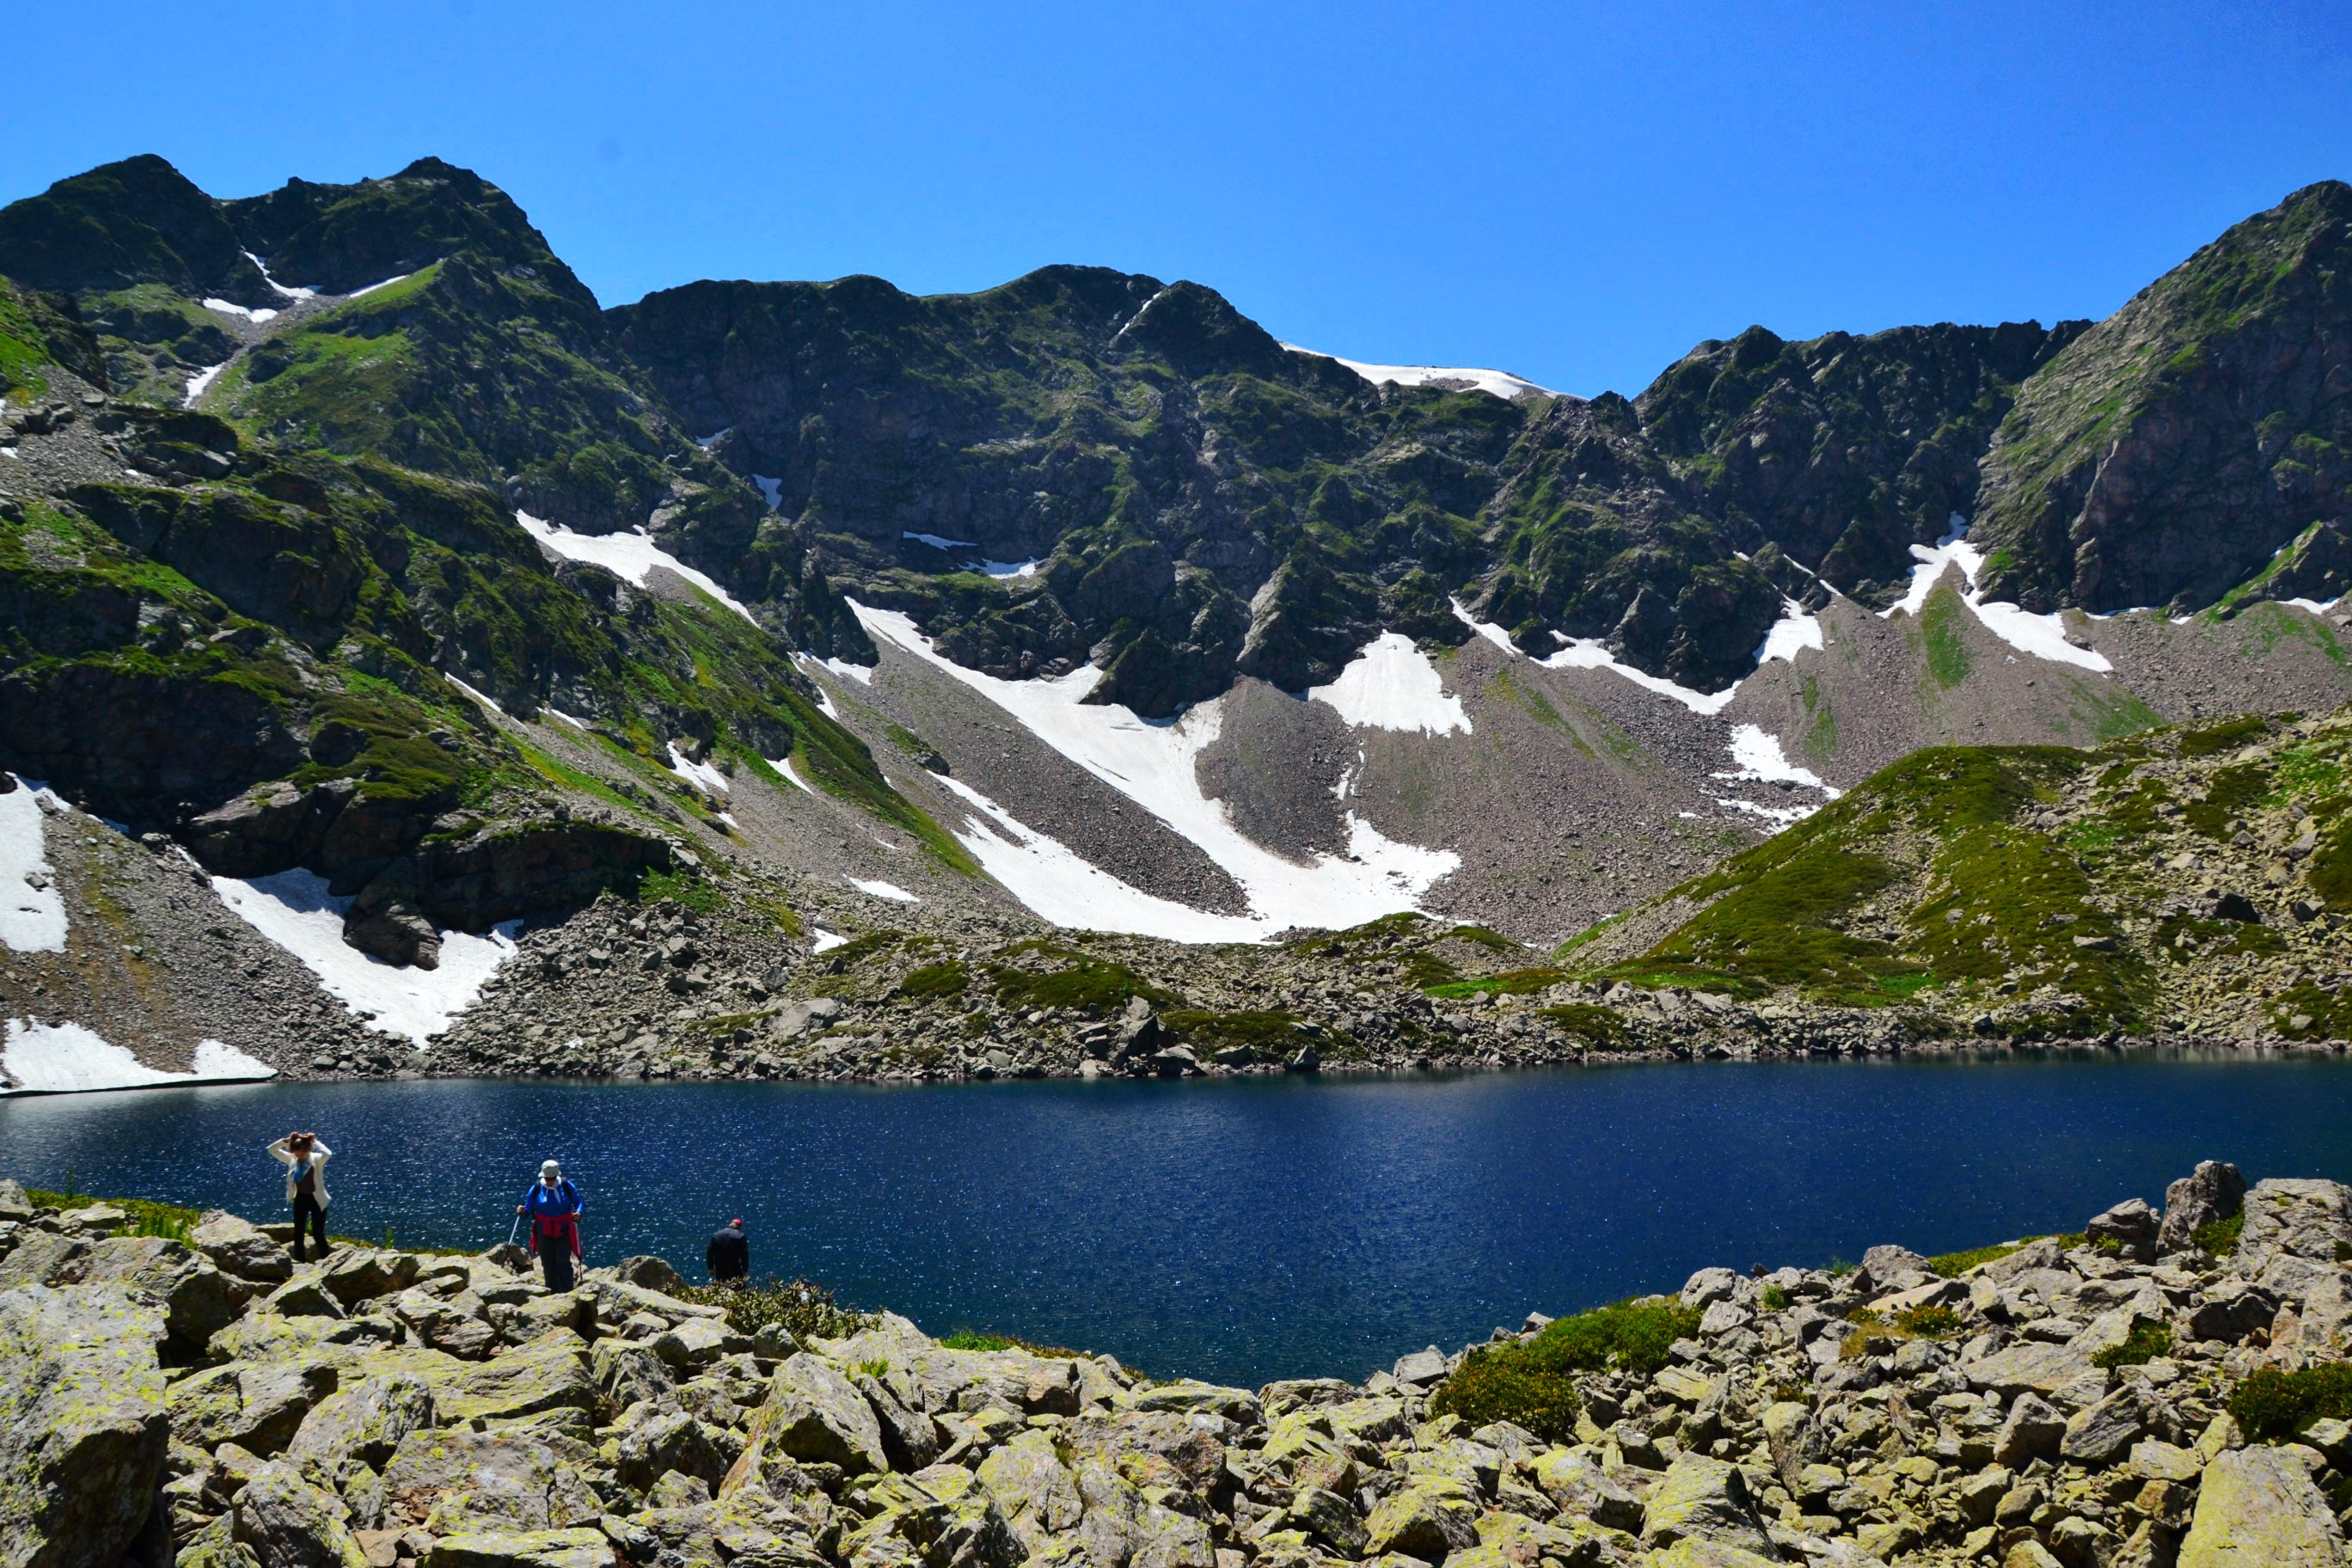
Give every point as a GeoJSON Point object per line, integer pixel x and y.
{"type": "Point", "coordinates": [402, 601]}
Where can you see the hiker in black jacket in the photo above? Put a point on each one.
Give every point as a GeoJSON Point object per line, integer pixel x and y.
{"type": "Point", "coordinates": [729, 1256]}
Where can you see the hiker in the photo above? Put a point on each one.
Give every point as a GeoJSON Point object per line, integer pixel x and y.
{"type": "Point", "coordinates": [305, 1159]}
{"type": "Point", "coordinates": [555, 1206]}
{"type": "Point", "coordinates": [729, 1256]}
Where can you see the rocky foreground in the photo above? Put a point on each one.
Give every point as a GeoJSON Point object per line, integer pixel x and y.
{"type": "Point", "coordinates": [208, 1403]}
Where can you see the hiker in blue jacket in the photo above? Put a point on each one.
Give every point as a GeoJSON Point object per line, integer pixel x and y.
{"type": "Point", "coordinates": [555, 1206]}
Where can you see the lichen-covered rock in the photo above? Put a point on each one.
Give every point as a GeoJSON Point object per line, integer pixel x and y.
{"type": "Point", "coordinates": [364, 1420]}
{"type": "Point", "coordinates": [255, 1408]}
{"type": "Point", "coordinates": [290, 1523]}
{"type": "Point", "coordinates": [813, 1412]}
{"type": "Point", "coordinates": [83, 1430]}
{"type": "Point", "coordinates": [666, 1441]}
{"type": "Point", "coordinates": [1705, 1500]}
{"type": "Point", "coordinates": [576, 1548]}
{"type": "Point", "coordinates": [1038, 1495]}
{"type": "Point", "coordinates": [238, 1247]}
{"type": "Point", "coordinates": [1427, 1517]}
{"type": "Point", "coordinates": [2211, 1193]}
{"type": "Point", "coordinates": [452, 1481]}
{"type": "Point", "coordinates": [2258, 1509]}
{"type": "Point", "coordinates": [1583, 1489]}
{"type": "Point", "coordinates": [550, 1373]}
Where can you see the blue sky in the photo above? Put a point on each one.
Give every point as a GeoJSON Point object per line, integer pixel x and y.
{"type": "Point", "coordinates": [1577, 192]}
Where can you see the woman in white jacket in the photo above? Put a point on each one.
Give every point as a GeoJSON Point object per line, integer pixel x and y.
{"type": "Point", "coordinates": [305, 1159]}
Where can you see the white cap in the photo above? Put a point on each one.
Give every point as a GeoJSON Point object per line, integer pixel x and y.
{"type": "Point", "coordinates": [549, 1168]}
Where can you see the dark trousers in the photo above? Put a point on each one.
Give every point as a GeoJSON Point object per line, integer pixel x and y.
{"type": "Point", "coordinates": [307, 1211]}
{"type": "Point", "coordinates": [555, 1258]}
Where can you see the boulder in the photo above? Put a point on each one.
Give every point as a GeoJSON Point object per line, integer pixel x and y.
{"type": "Point", "coordinates": [2033, 1430]}
{"type": "Point", "coordinates": [1886, 1266]}
{"type": "Point", "coordinates": [2302, 1218]}
{"type": "Point", "coordinates": [83, 1430]}
{"type": "Point", "coordinates": [2105, 1432]}
{"type": "Point", "coordinates": [2131, 1226]}
{"type": "Point", "coordinates": [577, 1548]}
{"type": "Point", "coordinates": [1428, 1517]}
{"type": "Point", "coordinates": [13, 1204]}
{"type": "Point", "coordinates": [1420, 1368]}
{"type": "Point", "coordinates": [364, 1421]}
{"type": "Point", "coordinates": [1583, 1489]}
{"type": "Point", "coordinates": [629, 1372]}
{"type": "Point", "coordinates": [1703, 1499]}
{"type": "Point", "coordinates": [650, 1272]}
{"type": "Point", "coordinates": [813, 1412]}
{"type": "Point", "coordinates": [255, 1408]}
{"type": "Point", "coordinates": [1038, 1495]}
{"type": "Point", "coordinates": [2211, 1193]}
{"type": "Point", "coordinates": [1187, 1395]}
{"type": "Point", "coordinates": [940, 1515]}
{"type": "Point", "coordinates": [671, 1440]}
{"type": "Point", "coordinates": [696, 1343]}
{"type": "Point", "coordinates": [452, 1481]}
{"type": "Point", "coordinates": [238, 1246]}
{"type": "Point", "coordinates": [2257, 1508]}
{"type": "Point", "coordinates": [362, 1274]}
{"type": "Point", "coordinates": [550, 1373]}
{"type": "Point", "coordinates": [199, 1300]}
{"type": "Point", "coordinates": [2231, 1310]}
{"type": "Point", "coordinates": [290, 1523]}
{"type": "Point", "coordinates": [910, 1437]}
{"type": "Point", "coordinates": [2028, 1365]}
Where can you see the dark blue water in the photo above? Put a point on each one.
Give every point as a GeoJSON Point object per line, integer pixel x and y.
{"type": "Point", "coordinates": [1246, 1230]}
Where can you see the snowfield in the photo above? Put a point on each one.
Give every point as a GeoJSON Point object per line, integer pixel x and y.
{"type": "Point", "coordinates": [631, 557]}
{"type": "Point", "coordinates": [31, 911]}
{"type": "Point", "coordinates": [294, 910]}
{"type": "Point", "coordinates": [1391, 684]}
{"type": "Point", "coordinates": [1153, 763]}
{"type": "Point", "coordinates": [68, 1058]}
{"type": "Point", "coordinates": [1500, 383]}
{"type": "Point", "coordinates": [879, 889]}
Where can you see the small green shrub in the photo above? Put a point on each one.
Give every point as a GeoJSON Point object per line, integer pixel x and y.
{"type": "Point", "coordinates": [1775, 1298]}
{"type": "Point", "coordinates": [2271, 1405]}
{"type": "Point", "coordinates": [2220, 1238]}
{"type": "Point", "coordinates": [1927, 1322]}
{"type": "Point", "coordinates": [1952, 1264]}
{"type": "Point", "coordinates": [686, 891]}
{"type": "Point", "coordinates": [806, 1310]}
{"type": "Point", "coordinates": [1516, 1382]}
{"type": "Point", "coordinates": [1588, 1021]}
{"type": "Point", "coordinates": [2146, 1342]}
{"type": "Point", "coordinates": [1633, 1335]}
{"type": "Point", "coordinates": [934, 980]}
{"type": "Point", "coordinates": [967, 1340]}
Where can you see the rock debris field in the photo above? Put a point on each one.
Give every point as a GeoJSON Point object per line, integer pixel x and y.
{"type": "Point", "coordinates": [2163, 1389]}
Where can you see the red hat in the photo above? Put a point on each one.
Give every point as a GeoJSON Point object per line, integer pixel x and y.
{"type": "Point", "coordinates": [737, 1223]}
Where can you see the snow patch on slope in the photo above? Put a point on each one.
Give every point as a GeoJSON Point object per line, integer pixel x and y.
{"type": "Point", "coordinates": [371, 288]}
{"type": "Point", "coordinates": [294, 910]}
{"type": "Point", "coordinates": [1056, 883]}
{"type": "Point", "coordinates": [1759, 759]}
{"type": "Point", "coordinates": [1501, 384]}
{"type": "Point", "coordinates": [202, 383]}
{"type": "Point", "coordinates": [1391, 684]}
{"type": "Point", "coordinates": [70, 1059]}
{"type": "Point", "coordinates": [2042, 637]}
{"type": "Point", "coordinates": [880, 889]}
{"type": "Point", "coordinates": [703, 773]}
{"type": "Point", "coordinates": [1153, 763]}
{"type": "Point", "coordinates": [631, 557]}
{"type": "Point", "coordinates": [1795, 630]}
{"type": "Point", "coordinates": [31, 911]}
{"type": "Point", "coordinates": [226, 309]}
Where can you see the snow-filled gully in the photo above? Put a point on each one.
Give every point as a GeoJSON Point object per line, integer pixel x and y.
{"type": "Point", "coordinates": [1152, 764]}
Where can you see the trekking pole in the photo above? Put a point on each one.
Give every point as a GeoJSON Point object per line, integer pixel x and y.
{"type": "Point", "coordinates": [514, 1232]}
